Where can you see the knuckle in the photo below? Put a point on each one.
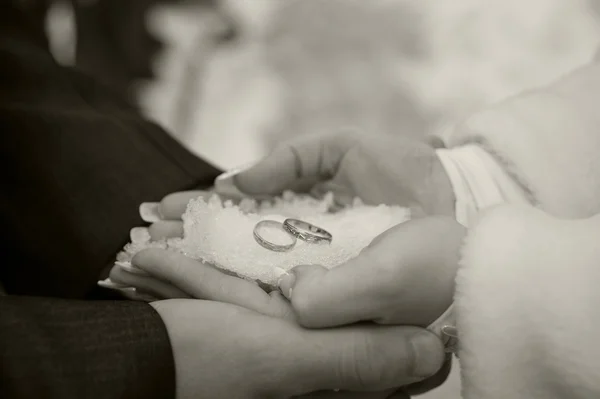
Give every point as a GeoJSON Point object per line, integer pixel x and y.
{"type": "Point", "coordinates": [371, 369]}
{"type": "Point", "coordinates": [381, 365]}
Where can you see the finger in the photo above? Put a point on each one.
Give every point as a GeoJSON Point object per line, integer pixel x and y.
{"type": "Point", "coordinates": [139, 235]}
{"type": "Point", "coordinates": [148, 284]}
{"type": "Point", "coordinates": [149, 212]}
{"type": "Point", "coordinates": [342, 196]}
{"type": "Point", "coordinates": [433, 382]}
{"type": "Point", "coordinates": [368, 358]}
{"type": "Point", "coordinates": [203, 281]}
{"type": "Point", "coordinates": [387, 282]}
{"type": "Point", "coordinates": [281, 307]}
{"type": "Point", "coordinates": [343, 295]}
{"type": "Point", "coordinates": [173, 206]}
{"type": "Point", "coordinates": [309, 157]}
{"type": "Point", "coordinates": [127, 291]}
{"type": "Point", "coordinates": [165, 229]}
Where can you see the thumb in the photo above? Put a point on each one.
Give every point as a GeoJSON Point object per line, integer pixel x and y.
{"type": "Point", "coordinates": [366, 358]}
{"type": "Point", "coordinates": [295, 165]}
{"type": "Point", "coordinates": [401, 277]}
{"type": "Point", "coordinates": [345, 294]}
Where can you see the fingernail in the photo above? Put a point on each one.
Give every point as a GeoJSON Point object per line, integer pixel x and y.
{"type": "Point", "coordinates": [225, 184]}
{"type": "Point", "coordinates": [149, 211]}
{"type": "Point", "coordinates": [129, 268]}
{"type": "Point", "coordinates": [285, 284]}
{"type": "Point", "coordinates": [139, 235]}
{"type": "Point", "coordinates": [111, 285]}
{"type": "Point", "coordinates": [428, 354]}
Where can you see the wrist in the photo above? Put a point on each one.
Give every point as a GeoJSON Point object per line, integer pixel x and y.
{"type": "Point", "coordinates": [436, 196]}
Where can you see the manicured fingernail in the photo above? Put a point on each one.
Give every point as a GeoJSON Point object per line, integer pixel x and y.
{"type": "Point", "coordinates": [111, 285]}
{"type": "Point", "coordinates": [225, 185]}
{"type": "Point", "coordinates": [285, 284]}
{"type": "Point", "coordinates": [139, 235]}
{"type": "Point", "coordinates": [129, 268]}
{"type": "Point", "coordinates": [149, 211]}
{"type": "Point", "coordinates": [428, 358]}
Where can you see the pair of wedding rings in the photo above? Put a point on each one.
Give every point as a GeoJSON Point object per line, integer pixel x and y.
{"type": "Point", "coordinates": [295, 229]}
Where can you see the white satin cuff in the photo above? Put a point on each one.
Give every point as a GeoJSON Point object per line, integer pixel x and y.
{"type": "Point", "coordinates": [478, 181]}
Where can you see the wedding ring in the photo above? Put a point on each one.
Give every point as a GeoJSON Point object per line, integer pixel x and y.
{"type": "Point", "coordinates": [265, 228]}
{"type": "Point", "coordinates": [306, 231]}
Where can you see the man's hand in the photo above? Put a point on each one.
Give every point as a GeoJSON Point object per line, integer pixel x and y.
{"type": "Point", "coordinates": [225, 351]}
{"type": "Point", "coordinates": [171, 271]}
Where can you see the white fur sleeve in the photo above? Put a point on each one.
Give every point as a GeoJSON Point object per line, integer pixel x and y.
{"type": "Point", "coordinates": [479, 181]}
{"type": "Point", "coordinates": [527, 306]}
{"type": "Point", "coordinates": [549, 140]}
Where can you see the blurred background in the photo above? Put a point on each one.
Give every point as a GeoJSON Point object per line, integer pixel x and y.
{"type": "Point", "coordinates": [231, 78]}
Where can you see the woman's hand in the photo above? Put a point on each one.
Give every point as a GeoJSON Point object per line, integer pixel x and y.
{"type": "Point", "coordinates": [165, 221]}
{"type": "Point", "coordinates": [382, 169]}
{"type": "Point", "coordinates": [405, 276]}
{"type": "Point", "coordinates": [165, 216]}
{"type": "Point", "coordinates": [168, 275]}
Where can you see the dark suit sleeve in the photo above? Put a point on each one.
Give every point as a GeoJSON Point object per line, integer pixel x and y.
{"type": "Point", "coordinates": [53, 348]}
{"type": "Point", "coordinates": [77, 160]}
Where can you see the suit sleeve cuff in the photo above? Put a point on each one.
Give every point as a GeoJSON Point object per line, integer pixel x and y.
{"type": "Point", "coordinates": [103, 349]}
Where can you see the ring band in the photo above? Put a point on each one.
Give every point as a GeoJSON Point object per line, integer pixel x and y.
{"type": "Point", "coordinates": [268, 244]}
{"type": "Point", "coordinates": [306, 231]}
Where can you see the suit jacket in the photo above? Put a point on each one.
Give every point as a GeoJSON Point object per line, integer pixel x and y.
{"type": "Point", "coordinates": [77, 160]}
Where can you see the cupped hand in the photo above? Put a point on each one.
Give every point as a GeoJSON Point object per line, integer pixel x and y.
{"type": "Point", "coordinates": [166, 274]}
{"type": "Point", "coordinates": [383, 169]}
{"type": "Point", "coordinates": [405, 276]}
{"type": "Point", "coordinates": [225, 351]}
{"type": "Point", "coordinates": [165, 221]}
{"type": "Point", "coordinates": [239, 341]}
